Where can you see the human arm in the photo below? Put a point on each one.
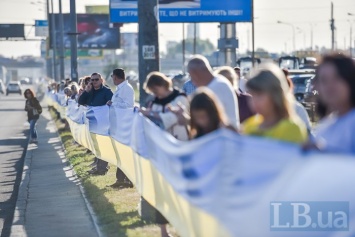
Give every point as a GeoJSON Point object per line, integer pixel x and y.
{"type": "Point", "coordinates": [177, 114]}
{"type": "Point", "coordinates": [84, 98]}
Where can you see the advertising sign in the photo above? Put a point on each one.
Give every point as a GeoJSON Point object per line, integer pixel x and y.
{"type": "Point", "coordinates": [97, 9]}
{"type": "Point", "coordinates": [125, 11]}
{"type": "Point", "coordinates": [12, 31]}
{"type": "Point", "coordinates": [94, 32]}
{"type": "Point", "coordinates": [41, 28]}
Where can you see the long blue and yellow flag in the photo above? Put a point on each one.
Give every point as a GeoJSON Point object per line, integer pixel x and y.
{"type": "Point", "coordinates": [222, 184]}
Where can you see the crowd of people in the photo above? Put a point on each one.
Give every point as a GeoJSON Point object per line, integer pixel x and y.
{"type": "Point", "coordinates": [262, 105]}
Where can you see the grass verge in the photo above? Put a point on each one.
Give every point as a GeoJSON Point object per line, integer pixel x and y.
{"type": "Point", "coordinates": [116, 209]}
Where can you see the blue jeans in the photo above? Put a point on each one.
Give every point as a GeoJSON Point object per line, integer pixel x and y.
{"type": "Point", "coordinates": [33, 130]}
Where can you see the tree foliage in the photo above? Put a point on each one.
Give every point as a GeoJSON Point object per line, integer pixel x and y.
{"type": "Point", "coordinates": [204, 47]}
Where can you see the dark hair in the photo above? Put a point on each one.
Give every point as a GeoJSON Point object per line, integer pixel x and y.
{"type": "Point", "coordinates": [345, 67]}
{"type": "Point", "coordinates": [96, 74]}
{"type": "Point", "coordinates": [157, 79]}
{"type": "Point", "coordinates": [204, 99]}
{"type": "Point", "coordinates": [87, 80]}
{"type": "Point", "coordinates": [29, 90]}
{"type": "Point", "coordinates": [119, 72]}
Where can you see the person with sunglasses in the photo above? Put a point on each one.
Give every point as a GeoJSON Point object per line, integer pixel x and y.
{"type": "Point", "coordinates": [96, 94]}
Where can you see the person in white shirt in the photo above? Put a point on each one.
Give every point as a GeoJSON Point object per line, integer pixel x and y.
{"type": "Point", "coordinates": [123, 98]}
{"type": "Point", "coordinates": [202, 75]}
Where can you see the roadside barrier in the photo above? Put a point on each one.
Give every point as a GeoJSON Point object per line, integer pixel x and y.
{"type": "Point", "coordinates": [219, 185]}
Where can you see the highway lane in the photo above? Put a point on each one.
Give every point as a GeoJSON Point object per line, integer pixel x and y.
{"type": "Point", "coordinates": [13, 143]}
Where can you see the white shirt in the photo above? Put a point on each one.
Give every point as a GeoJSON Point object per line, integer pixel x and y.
{"type": "Point", "coordinates": [228, 98]}
{"type": "Point", "coordinates": [243, 84]}
{"type": "Point", "coordinates": [124, 96]}
{"type": "Point", "coordinates": [337, 133]}
{"type": "Point", "coordinates": [302, 113]}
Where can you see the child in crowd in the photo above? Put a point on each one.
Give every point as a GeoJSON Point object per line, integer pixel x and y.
{"type": "Point", "coordinates": [207, 114]}
{"type": "Point", "coordinates": [272, 102]}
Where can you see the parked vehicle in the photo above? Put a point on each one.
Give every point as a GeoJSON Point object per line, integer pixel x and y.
{"type": "Point", "coordinates": [179, 80]}
{"type": "Point", "coordinates": [2, 87]}
{"type": "Point", "coordinates": [246, 64]}
{"type": "Point", "coordinates": [300, 83]}
{"type": "Point", "coordinates": [14, 87]}
{"type": "Point", "coordinates": [289, 62]}
{"type": "Point", "coordinates": [308, 63]}
{"type": "Point", "coordinates": [25, 81]}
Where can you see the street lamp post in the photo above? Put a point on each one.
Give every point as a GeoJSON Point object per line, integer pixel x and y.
{"type": "Point", "coordinates": [54, 44]}
{"type": "Point", "coordinates": [312, 27]}
{"type": "Point", "coordinates": [61, 42]}
{"type": "Point", "coordinates": [351, 34]}
{"type": "Point", "coordinates": [252, 33]}
{"type": "Point", "coordinates": [293, 33]}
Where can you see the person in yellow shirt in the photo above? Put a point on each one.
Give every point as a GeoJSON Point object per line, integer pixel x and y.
{"type": "Point", "coordinates": [272, 101]}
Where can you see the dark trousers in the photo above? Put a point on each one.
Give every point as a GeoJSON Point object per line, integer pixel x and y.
{"type": "Point", "coordinates": [101, 165]}
{"type": "Point", "coordinates": [121, 177]}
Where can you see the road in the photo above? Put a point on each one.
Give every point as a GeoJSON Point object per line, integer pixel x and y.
{"type": "Point", "coordinates": [13, 143]}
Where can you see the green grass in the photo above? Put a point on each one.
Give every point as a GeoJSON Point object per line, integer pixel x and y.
{"type": "Point", "coordinates": [116, 209]}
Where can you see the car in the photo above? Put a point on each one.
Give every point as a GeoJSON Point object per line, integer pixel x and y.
{"type": "Point", "coordinates": [14, 87]}
{"type": "Point", "coordinates": [2, 87]}
{"type": "Point", "coordinates": [300, 82]}
{"type": "Point", "coordinates": [25, 81]}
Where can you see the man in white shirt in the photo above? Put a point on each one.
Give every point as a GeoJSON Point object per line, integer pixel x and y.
{"type": "Point", "coordinates": [123, 98]}
{"type": "Point", "coordinates": [202, 75]}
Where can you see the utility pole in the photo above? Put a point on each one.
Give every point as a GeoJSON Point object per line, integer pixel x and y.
{"type": "Point", "coordinates": [183, 48]}
{"type": "Point", "coordinates": [61, 42]}
{"type": "Point", "coordinates": [351, 22]}
{"type": "Point", "coordinates": [252, 34]}
{"type": "Point", "coordinates": [332, 26]}
{"type": "Point", "coordinates": [351, 40]}
{"type": "Point", "coordinates": [54, 44]}
{"type": "Point", "coordinates": [49, 62]}
{"type": "Point", "coordinates": [73, 42]}
{"type": "Point", "coordinates": [148, 20]}
{"type": "Point", "coordinates": [195, 38]}
{"type": "Point", "coordinates": [312, 27]}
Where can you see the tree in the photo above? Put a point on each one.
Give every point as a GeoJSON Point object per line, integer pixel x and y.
{"type": "Point", "coordinates": [204, 47]}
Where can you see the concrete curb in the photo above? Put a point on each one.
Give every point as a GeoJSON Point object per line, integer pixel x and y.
{"type": "Point", "coordinates": [18, 222]}
{"type": "Point", "coordinates": [82, 190]}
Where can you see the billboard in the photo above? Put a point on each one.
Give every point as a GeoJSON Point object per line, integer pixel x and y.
{"type": "Point", "coordinates": [12, 31]}
{"type": "Point", "coordinates": [125, 11]}
{"type": "Point", "coordinates": [86, 53]}
{"type": "Point", "coordinates": [97, 9]}
{"type": "Point", "coordinates": [94, 32]}
{"type": "Point", "coordinates": [41, 28]}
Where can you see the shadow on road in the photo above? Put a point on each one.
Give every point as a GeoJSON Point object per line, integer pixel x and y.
{"type": "Point", "coordinates": [13, 169]}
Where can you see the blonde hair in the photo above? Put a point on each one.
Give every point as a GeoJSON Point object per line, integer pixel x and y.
{"type": "Point", "coordinates": [157, 79]}
{"type": "Point", "coordinates": [230, 74]}
{"type": "Point", "coordinates": [270, 79]}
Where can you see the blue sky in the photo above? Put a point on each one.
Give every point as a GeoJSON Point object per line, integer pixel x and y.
{"type": "Point", "coordinates": [269, 35]}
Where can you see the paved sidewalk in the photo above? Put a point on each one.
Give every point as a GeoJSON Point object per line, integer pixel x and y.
{"type": "Point", "coordinates": [50, 202]}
